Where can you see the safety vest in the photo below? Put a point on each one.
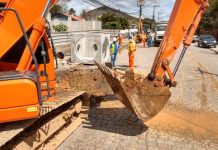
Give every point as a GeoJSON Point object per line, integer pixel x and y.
{"type": "Point", "coordinates": [132, 46]}
{"type": "Point", "coordinates": [144, 37]}
{"type": "Point", "coordinates": [120, 39]}
{"type": "Point", "coordinates": [135, 38]}
{"type": "Point", "coordinates": [114, 48]}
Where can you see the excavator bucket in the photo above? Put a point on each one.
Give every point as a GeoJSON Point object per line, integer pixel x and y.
{"type": "Point", "coordinates": [137, 93]}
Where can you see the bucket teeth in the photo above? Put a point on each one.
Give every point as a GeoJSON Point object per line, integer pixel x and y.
{"type": "Point", "coordinates": [139, 96]}
{"type": "Point", "coordinates": [115, 84]}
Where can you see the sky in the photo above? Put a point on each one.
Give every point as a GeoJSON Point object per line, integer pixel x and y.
{"type": "Point", "coordinates": [130, 6]}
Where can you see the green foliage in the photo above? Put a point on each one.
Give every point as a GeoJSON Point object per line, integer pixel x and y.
{"type": "Point", "coordinates": [210, 18]}
{"type": "Point", "coordinates": [61, 7]}
{"type": "Point", "coordinates": [56, 8]}
{"type": "Point", "coordinates": [60, 28]}
{"type": "Point", "coordinates": [124, 23]}
{"type": "Point", "coordinates": [72, 11]}
{"type": "Point", "coordinates": [85, 14]}
{"type": "Point", "coordinates": [147, 22]}
{"type": "Point", "coordinates": [112, 21]}
{"type": "Point", "coordinates": [110, 25]}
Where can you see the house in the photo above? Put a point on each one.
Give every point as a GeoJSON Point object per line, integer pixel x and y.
{"type": "Point", "coordinates": [74, 23]}
{"type": "Point", "coordinates": [62, 18]}
{"type": "Point", "coordinates": [95, 13]}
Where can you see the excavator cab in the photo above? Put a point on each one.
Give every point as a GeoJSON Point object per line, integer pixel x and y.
{"type": "Point", "coordinates": [27, 75]}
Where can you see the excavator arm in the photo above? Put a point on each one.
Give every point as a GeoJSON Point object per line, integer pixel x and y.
{"type": "Point", "coordinates": [146, 97]}
{"type": "Point", "coordinates": [183, 22]}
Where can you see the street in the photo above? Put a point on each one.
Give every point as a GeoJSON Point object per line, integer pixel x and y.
{"type": "Point", "coordinates": [188, 122]}
{"type": "Point", "coordinates": [73, 75]}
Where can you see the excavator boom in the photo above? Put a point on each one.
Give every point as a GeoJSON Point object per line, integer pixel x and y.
{"type": "Point", "coordinates": [28, 11]}
{"type": "Point", "coordinates": [146, 97]}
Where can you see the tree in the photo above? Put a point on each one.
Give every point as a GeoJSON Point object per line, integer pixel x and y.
{"type": "Point", "coordinates": [147, 22]}
{"type": "Point", "coordinates": [56, 9]}
{"type": "Point", "coordinates": [72, 11]}
{"type": "Point", "coordinates": [124, 23]}
{"type": "Point", "coordinates": [210, 17]}
{"type": "Point", "coordinates": [85, 14]}
{"type": "Point", "coordinates": [60, 7]}
{"type": "Point", "coordinates": [112, 21]}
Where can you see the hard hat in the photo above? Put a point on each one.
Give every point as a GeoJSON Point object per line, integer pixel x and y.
{"type": "Point", "coordinates": [114, 39]}
{"type": "Point", "coordinates": [130, 37]}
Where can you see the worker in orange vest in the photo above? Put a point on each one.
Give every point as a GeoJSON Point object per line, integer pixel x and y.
{"type": "Point", "coordinates": [132, 49]}
{"type": "Point", "coordinates": [144, 39]}
{"type": "Point", "coordinates": [136, 37]}
{"type": "Point", "coordinates": [120, 39]}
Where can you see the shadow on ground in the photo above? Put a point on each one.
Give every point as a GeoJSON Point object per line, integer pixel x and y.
{"type": "Point", "coordinates": [116, 120]}
{"type": "Point", "coordinates": [206, 72]}
{"type": "Point", "coordinates": [216, 52]}
{"type": "Point", "coordinates": [15, 125]}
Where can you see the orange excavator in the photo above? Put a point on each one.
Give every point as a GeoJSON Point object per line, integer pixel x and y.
{"type": "Point", "coordinates": [27, 69]}
{"type": "Point", "coordinates": [147, 96]}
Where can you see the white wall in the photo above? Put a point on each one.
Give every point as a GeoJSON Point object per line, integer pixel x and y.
{"type": "Point", "coordinates": [76, 25]}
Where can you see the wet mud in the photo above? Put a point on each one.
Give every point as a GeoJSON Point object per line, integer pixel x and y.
{"type": "Point", "coordinates": [180, 121]}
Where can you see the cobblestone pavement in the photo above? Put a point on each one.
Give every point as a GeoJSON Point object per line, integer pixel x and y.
{"type": "Point", "coordinates": [9, 130]}
{"type": "Point", "coordinates": [188, 122]}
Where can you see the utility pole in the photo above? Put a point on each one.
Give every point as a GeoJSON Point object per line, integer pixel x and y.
{"type": "Point", "coordinates": [153, 17]}
{"type": "Point", "coordinates": [140, 4]}
{"type": "Point", "coordinates": [140, 26]}
{"type": "Point", "coordinates": [140, 11]}
{"type": "Point", "coordinates": [159, 16]}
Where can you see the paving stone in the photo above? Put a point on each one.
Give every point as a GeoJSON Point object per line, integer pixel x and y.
{"type": "Point", "coordinates": [111, 126]}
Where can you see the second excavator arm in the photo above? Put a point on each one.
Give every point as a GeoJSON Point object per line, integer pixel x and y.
{"type": "Point", "coordinates": [147, 97]}
{"type": "Point", "coordinates": [183, 22]}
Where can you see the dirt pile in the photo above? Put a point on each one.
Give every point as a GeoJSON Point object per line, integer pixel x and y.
{"type": "Point", "coordinates": [136, 92]}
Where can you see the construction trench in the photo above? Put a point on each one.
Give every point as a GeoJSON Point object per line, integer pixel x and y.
{"type": "Point", "coordinates": [59, 115]}
{"type": "Point", "coordinates": [89, 107]}
{"type": "Point", "coordinates": [76, 87]}
{"type": "Point", "coordinates": [178, 122]}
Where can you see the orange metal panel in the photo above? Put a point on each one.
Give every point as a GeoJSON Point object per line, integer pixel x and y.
{"type": "Point", "coordinates": [19, 113]}
{"type": "Point", "coordinates": [19, 100]}
{"type": "Point", "coordinates": [181, 19]}
{"type": "Point", "coordinates": [35, 38]}
{"type": "Point", "coordinates": [10, 31]}
{"type": "Point", "coordinates": [17, 93]}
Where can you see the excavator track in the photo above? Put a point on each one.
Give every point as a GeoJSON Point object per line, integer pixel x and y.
{"type": "Point", "coordinates": [58, 120]}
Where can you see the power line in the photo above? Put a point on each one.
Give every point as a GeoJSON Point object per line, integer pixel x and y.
{"type": "Point", "coordinates": [102, 3]}
{"type": "Point", "coordinates": [117, 6]}
{"type": "Point", "coordinates": [153, 17]}
{"type": "Point", "coordinates": [90, 3]}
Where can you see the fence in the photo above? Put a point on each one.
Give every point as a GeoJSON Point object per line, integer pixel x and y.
{"type": "Point", "coordinates": [125, 33]}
